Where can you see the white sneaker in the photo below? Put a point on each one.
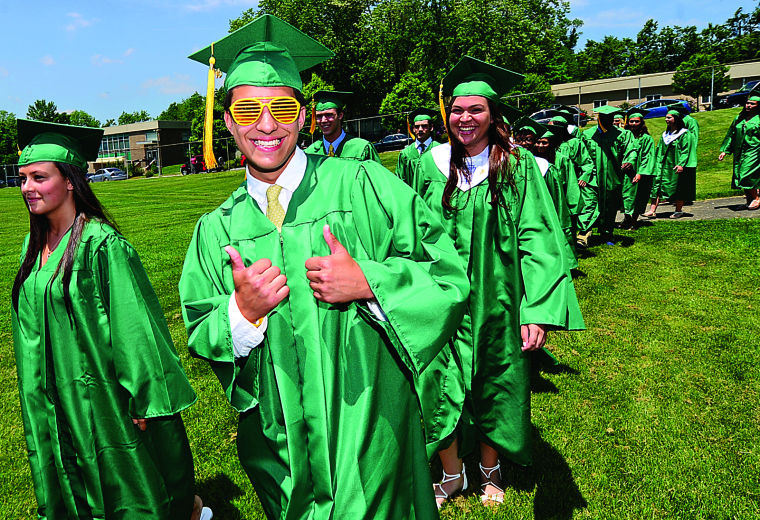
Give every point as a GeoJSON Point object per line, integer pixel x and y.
{"type": "Point", "coordinates": [206, 513]}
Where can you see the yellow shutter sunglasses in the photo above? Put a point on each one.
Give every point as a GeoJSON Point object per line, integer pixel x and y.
{"type": "Point", "coordinates": [284, 109]}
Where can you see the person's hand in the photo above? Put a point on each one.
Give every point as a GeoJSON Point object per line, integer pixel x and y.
{"type": "Point", "coordinates": [626, 167]}
{"type": "Point", "coordinates": [722, 156]}
{"type": "Point", "coordinates": [336, 278]}
{"type": "Point", "coordinates": [533, 336]}
{"type": "Point", "coordinates": [582, 184]}
{"type": "Point", "coordinates": [141, 423]}
{"type": "Point", "coordinates": [258, 287]}
{"type": "Point", "coordinates": [636, 178]}
{"type": "Point", "coordinates": [678, 169]}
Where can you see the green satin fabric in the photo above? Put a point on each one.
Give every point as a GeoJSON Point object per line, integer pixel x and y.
{"type": "Point", "coordinates": [407, 160]}
{"type": "Point", "coordinates": [349, 148]}
{"type": "Point", "coordinates": [636, 195]}
{"type": "Point", "coordinates": [575, 149]}
{"type": "Point", "coordinates": [693, 126]}
{"type": "Point", "coordinates": [743, 142]}
{"type": "Point", "coordinates": [671, 185]}
{"type": "Point", "coordinates": [586, 210]}
{"type": "Point", "coordinates": [515, 260]}
{"type": "Point", "coordinates": [562, 169]}
{"type": "Point", "coordinates": [82, 381]}
{"type": "Point", "coordinates": [609, 151]}
{"type": "Point", "coordinates": [330, 423]}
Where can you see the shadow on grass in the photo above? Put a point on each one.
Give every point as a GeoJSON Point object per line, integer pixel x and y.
{"type": "Point", "coordinates": [556, 494]}
{"type": "Point", "coordinates": [541, 385]}
{"type": "Point", "coordinates": [218, 492]}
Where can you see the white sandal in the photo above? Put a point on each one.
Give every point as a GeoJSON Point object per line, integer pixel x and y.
{"type": "Point", "coordinates": [441, 493]}
{"type": "Point", "coordinates": [497, 497]}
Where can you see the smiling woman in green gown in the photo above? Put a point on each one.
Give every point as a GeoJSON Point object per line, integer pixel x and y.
{"type": "Point", "coordinates": [493, 202]}
{"type": "Point", "coordinates": [743, 141]}
{"type": "Point", "coordinates": [100, 382]}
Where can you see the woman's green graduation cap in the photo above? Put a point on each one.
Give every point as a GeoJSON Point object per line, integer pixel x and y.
{"type": "Point", "coordinates": [473, 77]}
{"type": "Point", "coordinates": [526, 124]}
{"type": "Point", "coordinates": [553, 133]}
{"type": "Point", "coordinates": [42, 141]}
{"type": "Point", "coordinates": [637, 112]}
{"type": "Point", "coordinates": [678, 109]}
{"type": "Point", "coordinates": [510, 113]}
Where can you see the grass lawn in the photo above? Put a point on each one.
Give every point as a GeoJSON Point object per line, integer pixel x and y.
{"type": "Point", "coordinates": [652, 413]}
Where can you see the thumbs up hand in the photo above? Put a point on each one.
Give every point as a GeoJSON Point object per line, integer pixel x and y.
{"type": "Point", "coordinates": [336, 278]}
{"type": "Point", "coordinates": [258, 287]}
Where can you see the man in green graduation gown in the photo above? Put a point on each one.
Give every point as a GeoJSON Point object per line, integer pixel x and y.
{"type": "Point", "coordinates": [422, 126]}
{"type": "Point", "coordinates": [328, 112]}
{"type": "Point", "coordinates": [613, 152]}
{"type": "Point", "coordinates": [309, 292]}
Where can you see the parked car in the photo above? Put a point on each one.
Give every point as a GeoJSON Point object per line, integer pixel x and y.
{"type": "Point", "coordinates": [659, 107]}
{"type": "Point", "coordinates": [543, 116]}
{"type": "Point", "coordinates": [392, 142]}
{"type": "Point", "coordinates": [107, 174]}
{"type": "Point", "coordinates": [735, 99]}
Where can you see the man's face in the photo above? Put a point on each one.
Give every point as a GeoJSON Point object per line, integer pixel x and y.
{"type": "Point", "coordinates": [329, 122]}
{"type": "Point", "coordinates": [266, 144]}
{"type": "Point", "coordinates": [422, 130]}
{"type": "Point", "coordinates": [751, 106]}
{"type": "Point", "coordinates": [635, 123]}
{"type": "Point", "coordinates": [542, 146]}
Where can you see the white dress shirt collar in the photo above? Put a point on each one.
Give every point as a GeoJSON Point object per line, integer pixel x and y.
{"type": "Point", "coordinates": [335, 143]}
{"type": "Point", "coordinates": [289, 179]}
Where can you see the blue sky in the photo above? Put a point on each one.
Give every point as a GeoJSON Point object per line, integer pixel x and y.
{"type": "Point", "coordinates": [106, 57]}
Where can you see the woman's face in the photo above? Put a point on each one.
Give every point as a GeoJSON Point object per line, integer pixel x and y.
{"type": "Point", "coordinates": [44, 189]}
{"type": "Point", "coordinates": [542, 146]}
{"type": "Point", "coordinates": [670, 120]}
{"type": "Point", "coordinates": [470, 120]}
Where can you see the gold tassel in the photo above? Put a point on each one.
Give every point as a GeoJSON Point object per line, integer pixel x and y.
{"type": "Point", "coordinates": [208, 123]}
{"type": "Point", "coordinates": [408, 128]}
{"type": "Point", "coordinates": [313, 125]}
{"type": "Point", "coordinates": [443, 110]}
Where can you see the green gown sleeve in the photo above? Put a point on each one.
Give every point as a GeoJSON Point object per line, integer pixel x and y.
{"type": "Point", "coordinates": [549, 296]}
{"type": "Point", "coordinates": [728, 144]}
{"type": "Point", "coordinates": [684, 149]}
{"type": "Point", "coordinates": [146, 363]}
{"type": "Point", "coordinates": [646, 155]}
{"type": "Point", "coordinates": [583, 162]}
{"type": "Point", "coordinates": [370, 154]}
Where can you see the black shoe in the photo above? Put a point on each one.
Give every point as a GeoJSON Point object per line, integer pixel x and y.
{"type": "Point", "coordinates": [627, 222]}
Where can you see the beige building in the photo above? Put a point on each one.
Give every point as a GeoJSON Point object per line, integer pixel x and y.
{"type": "Point", "coordinates": [165, 142]}
{"type": "Point", "coordinates": [637, 89]}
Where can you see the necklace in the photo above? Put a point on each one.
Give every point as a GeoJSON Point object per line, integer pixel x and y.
{"type": "Point", "coordinates": [50, 248]}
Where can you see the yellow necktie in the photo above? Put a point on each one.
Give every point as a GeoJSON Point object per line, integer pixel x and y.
{"type": "Point", "coordinates": [275, 212]}
{"type": "Point", "coordinates": [331, 151]}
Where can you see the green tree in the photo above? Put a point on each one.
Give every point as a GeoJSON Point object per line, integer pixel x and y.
{"type": "Point", "coordinates": [534, 93]}
{"type": "Point", "coordinates": [610, 58]}
{"type": "Point", "coordinates": [8, 138]}
{"type": "Point", "coordinates": [82, 118]}
{"type": "Point", "coordinates": [408, 94]}
{"type": "Point", "coordinates": [42, 110]}
{"type": "Point", "coordinates": [694, 77]}
{"type": "Point", "coordinates": [185, 110]}
{"type": "Point", "coordinates": [138, 116]}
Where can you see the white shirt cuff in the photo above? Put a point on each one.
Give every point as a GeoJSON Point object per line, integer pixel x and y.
{"type": "Point", "coordinates": [374, 308]}
{"type": "Point", "coordinates": [245, 335]}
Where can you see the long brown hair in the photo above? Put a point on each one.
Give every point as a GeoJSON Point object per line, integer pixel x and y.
{"type": "Point", "coordinates": [499, 168]}
{"type": "Point", "coordinates": [88, 207]}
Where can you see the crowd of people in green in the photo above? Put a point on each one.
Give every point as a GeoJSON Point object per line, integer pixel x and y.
{"type": "Point", "coordinates": [360, 322]}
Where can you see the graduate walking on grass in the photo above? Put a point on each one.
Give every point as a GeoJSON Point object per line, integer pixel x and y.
{"type": "Point", "coordinates": [319, 292]}
{"type": "Point", "coordinates": [637, 189]}
{"type": "Point", "coordinates": [422, 121]}
{"type": "Point", "coordinates": [743, 142]}
{"type": "Point", "coordinates": [492, 200]}
{"type": "Point", "coordinates": [329, 110]}
{"type": "Point", "coordinates": [674, 181]}
{"type": "Point", "coordinates": [101, 385]}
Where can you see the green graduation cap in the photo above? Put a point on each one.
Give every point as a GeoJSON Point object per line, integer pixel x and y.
{"type": "Point", "coordinates": [678, 109]}
{"type": "Point", "coordinates": [561, 117]}
{"type": "Point", "coordinates": [754, 93]}
{"type": "Point", "coordinates": [637, 112]}
{"type": "Point", "coordinates": [327, 99]}
{"type": "Point", "coordinates": [42, 141]}
{"type": "Point", "coordinates": [266, 52]}
{"type": "Point", "coordinates": [526, 124]}
{"type": "Point", "coordinates": [510, 113]}
{"type": "Point", "coordinates": [422, 114]}
{"type": "Point", "coordinates": [553, 133]}
{"type": "Point", "coordinates": [608, 110]}
{"type": "Point", "coordinates": [473, 77]}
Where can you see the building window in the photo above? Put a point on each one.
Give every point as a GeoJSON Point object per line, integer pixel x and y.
{"type": "Point", "coordinates": [151, 136]}
{"type": "Point", "coordinates": [652, 97]}
{"type": "Point", "coordinates": [706, 98]}
{"type": "Point", "coordinates": [114, 145]}
{"type": "Point", "coordinates": [599, 103]}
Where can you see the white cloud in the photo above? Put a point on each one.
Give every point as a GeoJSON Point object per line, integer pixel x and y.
{"type": "Point", "coordinates": [178, 84]}
{"type": "Point", "coordinates": [129, 52]}
{"type": "Point", "coordinates": [77, 22]}
{"type": "Point", "coordinates": [47, 60]}
{"type": "Point", "coordinates": [99, 60]}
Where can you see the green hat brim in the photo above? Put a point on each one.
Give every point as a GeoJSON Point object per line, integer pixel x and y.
{"type": "Point", "coordinates": [608, 110]}
{"type": "Point", "coordinates": [327, 99]}
{"type": "Point", "coordinates": [52, 142]}
{"type": "Point", "coordinates": [473, 77]}
{"type": "Point", "coordinates": [510, 113]}
{"type": "Point", "coordinates": [526, 124]}
{"type": "Point", "coordinates": [422, 114]}
{"type": "Point", "coordinates": [265, 52]}
{"type": "Point", "coordinates": [679, 108]}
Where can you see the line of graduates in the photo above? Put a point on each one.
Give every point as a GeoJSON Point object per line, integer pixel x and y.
{"type": "Point", "coordinates": [357, 325]}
